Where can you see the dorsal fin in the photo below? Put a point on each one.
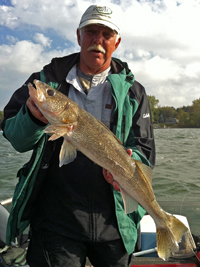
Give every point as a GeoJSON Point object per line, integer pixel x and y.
{"type": "Point", "coordinates": [145, 170]}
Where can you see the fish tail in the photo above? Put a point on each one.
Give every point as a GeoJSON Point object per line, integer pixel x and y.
{"type": "Point", "coordinates": [169, 236]}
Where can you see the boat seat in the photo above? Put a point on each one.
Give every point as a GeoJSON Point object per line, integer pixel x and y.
{"type": "Point", "coordinates": [11, 251]}
{"type": "Point", "coordinates": [4, 214]}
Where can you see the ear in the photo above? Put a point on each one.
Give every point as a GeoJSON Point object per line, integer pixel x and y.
{"type": "Point", "coordinates": [78, 37]}
{"type": "Point", "coordinates": [117, 43]}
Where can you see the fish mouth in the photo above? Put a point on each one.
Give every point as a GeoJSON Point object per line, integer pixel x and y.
{"type": "Point", "coordinates": [36, 94]}
{"type": "Point", "coordinates": [40, 91]}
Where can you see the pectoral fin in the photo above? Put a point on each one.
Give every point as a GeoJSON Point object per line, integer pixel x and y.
{"type": "Point", "coordinates": [67, 153]}
{"type": "Point", "coordinates": [130, 204]}
{"type": "Point", "coordinates": [59, 130]}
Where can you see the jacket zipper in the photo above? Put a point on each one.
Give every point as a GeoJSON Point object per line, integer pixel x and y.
{"type": "Point", "coordinates": [124, 127]}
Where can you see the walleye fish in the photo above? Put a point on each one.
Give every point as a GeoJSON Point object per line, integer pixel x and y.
{"type": "Point", "coordinates": [84, 132]}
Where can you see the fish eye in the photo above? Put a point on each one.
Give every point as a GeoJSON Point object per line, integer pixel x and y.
{"type": "Point", "coordinates": [50, 92]}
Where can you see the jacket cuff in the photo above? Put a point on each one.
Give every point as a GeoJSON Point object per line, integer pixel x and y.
{"type": "Point", "coordinates": [22, 131]}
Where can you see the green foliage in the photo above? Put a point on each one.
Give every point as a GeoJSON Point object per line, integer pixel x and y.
{"type": "Point", "coordinates": [187, 116]}
{"type": "Point", "coordinates": [183, 118]}
{"type": "Point", "coordinates": [153, 101]}
{"type": "Point", "coordinates": [153, 105]}
{"type": "Point", "coordinates": [1, 117]}
{"type": "Point", "coordinates": [167, 112]}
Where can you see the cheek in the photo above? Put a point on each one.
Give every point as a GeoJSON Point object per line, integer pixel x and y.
{"type": "Point", "coordinates": [84, 46]}
{"type": "Point", "coordinates": [109, 50]}
{"type": "Point", "coordinates": [84, 41]}
{"type": "Point", "coordinates": [110, 47]}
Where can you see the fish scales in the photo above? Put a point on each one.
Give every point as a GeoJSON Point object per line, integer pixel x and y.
{"type": "Point", "coordinates": [84, 132]}
{"type": "Point", "coordinates": [93, 135]}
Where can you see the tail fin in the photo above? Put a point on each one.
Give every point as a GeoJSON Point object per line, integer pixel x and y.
{"type": "Point", "coordinates": [169, 237]}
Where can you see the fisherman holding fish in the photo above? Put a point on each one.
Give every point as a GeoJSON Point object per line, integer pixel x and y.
{"type": "Point", "coordinates": [73, 211]}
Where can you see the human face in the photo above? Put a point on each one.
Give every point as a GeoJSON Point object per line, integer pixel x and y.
{"type": "Point", "coordinates": [95, 60]}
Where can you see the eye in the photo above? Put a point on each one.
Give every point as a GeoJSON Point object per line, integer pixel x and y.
{"type": "Point", "coordinates": [50, 92]}
{"type": "Point", "coordinates": [108, 35]}
{"type": "Point", "coordinates": [90, 31]}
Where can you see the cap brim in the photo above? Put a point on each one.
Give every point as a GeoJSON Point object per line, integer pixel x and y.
{"type": "Point", "coordinates": [98, 21]}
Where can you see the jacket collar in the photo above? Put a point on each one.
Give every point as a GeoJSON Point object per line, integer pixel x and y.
{"type": "Point", "coordinates": [58, 69]}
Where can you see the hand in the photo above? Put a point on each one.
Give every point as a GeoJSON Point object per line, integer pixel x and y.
{"type": "Point", "coordinates": [109, 178]}
{"type": "Point", "coordinates": [35, 111]}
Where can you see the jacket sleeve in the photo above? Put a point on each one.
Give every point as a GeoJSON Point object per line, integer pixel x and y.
{"type": "Point", "coordinates": [141, 136]}
{"type": "Point", "coordinates": [19, 126]}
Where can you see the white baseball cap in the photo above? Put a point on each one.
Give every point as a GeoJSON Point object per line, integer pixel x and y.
{"type": "Point", "coordinates": [99, 15]}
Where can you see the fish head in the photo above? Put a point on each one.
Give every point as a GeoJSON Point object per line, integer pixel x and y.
{"type": "Point", "coordinates": [55, 106]}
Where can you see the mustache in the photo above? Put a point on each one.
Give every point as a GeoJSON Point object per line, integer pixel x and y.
{"type": "Point", "coordinates": [96, 47]}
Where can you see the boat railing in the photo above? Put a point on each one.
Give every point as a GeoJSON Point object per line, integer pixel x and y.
{"type": "Point", "coordinates": [6, 202]}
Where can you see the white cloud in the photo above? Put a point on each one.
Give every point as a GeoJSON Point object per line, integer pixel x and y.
{"type": "Point", "coordinates": [7, 18]}
{"type": "Point", "coordinates": [193, 70]}
{"type": "Point", "coordinates": [11, 39]}
{"type": "Point", "coordinates": [41, 39]}
{"type": "Point", "coordinates": [19, 61]}
{"type": "Point", "coordinates": [162, 68]}
{"type": "Point", "coordinates": [160, 42]}
{"type": "Point", "coordinates": [21, 56]}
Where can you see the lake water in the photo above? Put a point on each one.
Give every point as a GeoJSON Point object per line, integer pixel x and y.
{"type": "Point", "coordinates": [176, 179]}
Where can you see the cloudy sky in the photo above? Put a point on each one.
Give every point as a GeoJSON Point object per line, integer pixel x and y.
{"type": "Point", "coordinates": [160, 42]}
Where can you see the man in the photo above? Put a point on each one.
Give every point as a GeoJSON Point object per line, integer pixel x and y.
{"type": "Point", "coordinates": [73, 211]}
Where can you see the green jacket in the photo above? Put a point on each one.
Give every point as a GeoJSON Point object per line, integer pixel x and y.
{"type": "Point", "coordinates": [132, 124]}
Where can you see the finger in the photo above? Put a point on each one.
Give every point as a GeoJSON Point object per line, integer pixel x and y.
{"type": "Point", "coordinates": [43, 119]}
{"type": "Point", "coordinates": [116, 185]}
{"type": "Point", "coordinates": [105, 173]}
{"type": "Point", "coordinates": [129, 151]}
{"type": "Point", "coordinates": [35, 111]}
{"type": "Point", "coordinates": [107, 176]}
{"type": "Point", "coordinates": [31, 105]}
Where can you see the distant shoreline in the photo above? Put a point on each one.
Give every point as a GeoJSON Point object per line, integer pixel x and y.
{"type": "Point", "coordinates": [171, 126]}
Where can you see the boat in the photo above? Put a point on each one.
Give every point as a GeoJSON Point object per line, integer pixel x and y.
{"type": "Point", "coordinates": [144, 256]}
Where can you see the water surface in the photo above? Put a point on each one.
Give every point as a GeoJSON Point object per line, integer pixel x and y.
{"type": "Point", "coordinates": [176, 180]}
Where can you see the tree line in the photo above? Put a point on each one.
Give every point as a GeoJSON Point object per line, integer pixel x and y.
{"type": "Point", "coordinates": [187, 116]}
{"type": "Point", "coordinates": [1, 117]}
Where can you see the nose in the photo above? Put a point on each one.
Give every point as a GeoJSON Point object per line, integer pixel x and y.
{"type": "Point", "coordinates": [98, 38]}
